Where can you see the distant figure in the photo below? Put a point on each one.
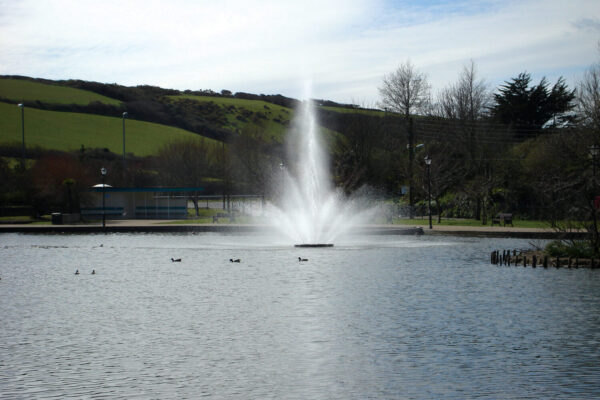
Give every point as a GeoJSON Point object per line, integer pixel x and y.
{"type": "Point", "coordinates": [101, 245]}
{"type": "Point", "coordinates": [175, 259]}
{"type": "Point", "coordinates": [236, 260]}
{"type": "Point", "coordinates": [302, 259]}
{"type": "Point", "coordinates": [93, 272]}
{"type": "Point", "coordinates": [76, 272]}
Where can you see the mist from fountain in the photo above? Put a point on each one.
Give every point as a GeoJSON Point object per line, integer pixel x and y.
{"type": "Point", "coordinates": [310, 210]}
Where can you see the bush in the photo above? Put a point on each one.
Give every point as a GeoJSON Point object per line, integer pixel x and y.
{"type": "Point", "coordinates": [577, 248]}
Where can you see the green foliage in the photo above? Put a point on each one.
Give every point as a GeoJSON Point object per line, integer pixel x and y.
{"type": "Point", "coordinates": [237, 115]}
{"type": "Point", "coordinates": [576, 248]}
{"type": "Point", "coordinates": [528, 108]}
{"type": "Point", "coordinates": [20, 90]}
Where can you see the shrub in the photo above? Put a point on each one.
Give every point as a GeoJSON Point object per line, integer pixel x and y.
{"type": "Point", "coordinates": [576, 248]}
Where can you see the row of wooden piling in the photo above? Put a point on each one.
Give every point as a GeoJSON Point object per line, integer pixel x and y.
{"type": "Point", "coordinates": [518, 257]}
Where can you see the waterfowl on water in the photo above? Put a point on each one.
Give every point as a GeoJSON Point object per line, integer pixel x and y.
{"type": "Point", "coordinates": [236, 260]}
{"type": "Point", "coordinates": [93, 272]}
{"type": "Point", "coordinates": [175, 259]}
{"type": "Point", "coordinates": [302, 259]}
{"type": "Point", "coordinates": [76, 272]}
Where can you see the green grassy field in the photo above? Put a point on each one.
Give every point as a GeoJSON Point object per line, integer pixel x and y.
{"type": "Point", "coordinates": [354, 111]}
{"type": "Point", "coordinates": [19, 90]}
{"type": "Point", "coordinates": [68, 131]}
{"type": "Point", "coordinates": [468, 222]}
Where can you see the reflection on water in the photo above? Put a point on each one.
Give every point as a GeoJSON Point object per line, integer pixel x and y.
{"type": "Point", "coordinates": [375, 317]}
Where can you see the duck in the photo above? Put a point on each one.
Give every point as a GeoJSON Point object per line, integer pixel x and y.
{"type": "Point", "coordinates": [93, 272]}
{"type": "Point", "coordinates": [237, 260]}
{"type": "Point", "coordinates": [76, 272]}
{"type": "Point", "coordinates": [175, 259]}
{"type": "Point", "coordinates": [302, 259]}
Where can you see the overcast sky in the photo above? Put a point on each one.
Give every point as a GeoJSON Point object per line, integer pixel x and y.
{"type": "Point", "coordinates": [343, 47]}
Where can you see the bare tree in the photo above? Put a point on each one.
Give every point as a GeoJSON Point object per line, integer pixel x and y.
{"type": "Point", "coordinates": [465, 103]}
{"type": "Point", "coordinates": [466, 100]}
{"type": "Point", "coordinates": [186, 163]}
{"type": "Point", "coordinates": [406, 91]}
{"type": "Point", "coordinates": [588, 97]}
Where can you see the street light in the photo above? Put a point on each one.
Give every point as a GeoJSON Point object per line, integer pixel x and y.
{"type": "Point", "coordinates": [428, 163]}
{"type": "Point", "coordinates": [103, 172]}
{"type": "Point", "coordinates": [22, 107]}
{"type": "Point", "coordinates": [124, 116]}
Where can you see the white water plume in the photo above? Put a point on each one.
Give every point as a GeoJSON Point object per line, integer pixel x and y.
{"type": "Point", "coordinates": [310, 210]}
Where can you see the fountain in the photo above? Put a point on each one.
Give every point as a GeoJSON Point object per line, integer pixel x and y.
{"type": "Point", "coordinates": [309, 210]}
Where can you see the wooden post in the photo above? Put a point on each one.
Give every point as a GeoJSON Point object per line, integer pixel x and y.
{"type": "Point", "coordinates": [524, 261]}
{"type": "Point", "coordinates": [545, 262]}
{"type": "Point", "coordinates": [569, 262]}
{"type": "Point", "coordinates": [557, 262]}
{"type": "Point", "coordinates": [576, 262]}
{"type": "Point", "coordinates": [508, 258]}
{"type": "Point", "coordinates": [534, 261]}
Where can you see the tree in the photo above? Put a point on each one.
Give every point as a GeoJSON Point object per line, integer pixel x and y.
{"type": "Point", "coordinates": [254, 161]}
{"type": "Point", "coordinates": [588, 98]}
{"type": "Point", "coordinates": [186, 163]}
{"type": "Point", "coordinates": [527, 108]}
{"type": "Point", "coordinates": [465, 103]}
{"type": "Point", "coordinates": [57, 182]}
{"type": "Point", "coordinates": [406, 91]}
{"type": "Point", "coordinates": [466, 100]}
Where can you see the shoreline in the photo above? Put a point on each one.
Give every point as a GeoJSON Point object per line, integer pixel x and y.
{"type": "Point", "coordinates": [161, 226]}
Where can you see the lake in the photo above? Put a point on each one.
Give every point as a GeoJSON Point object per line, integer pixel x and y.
{"type": "Point", "coordinates": [373, 317]}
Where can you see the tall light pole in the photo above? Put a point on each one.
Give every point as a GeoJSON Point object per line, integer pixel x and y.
{"type": "Point", "coordinates": [22, 107]}
{"type": "Point", "coordinates": [124, 116]}
{"type": "Point", "coordinates": [103, 172]}
{"type": "Point", "coordinates": [428, 163]}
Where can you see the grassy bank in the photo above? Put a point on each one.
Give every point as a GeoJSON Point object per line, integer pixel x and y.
{"type": "Point", "coordinates": [68, 131]}
{"type": "Point", "coordinates": [468, 222]}
{"type": "Point", "coordinates": [19, 90]}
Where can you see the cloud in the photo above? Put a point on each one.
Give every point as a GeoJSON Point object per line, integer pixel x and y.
{"type": "Point", "coordinates": [270, 46]}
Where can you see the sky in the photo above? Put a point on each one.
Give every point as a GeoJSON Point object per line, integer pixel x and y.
{"type": "Point", "coordinates": [343, 48]}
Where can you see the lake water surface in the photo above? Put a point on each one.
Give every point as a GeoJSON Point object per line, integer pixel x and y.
{"type": "Point", "coordinates": [373, 317]}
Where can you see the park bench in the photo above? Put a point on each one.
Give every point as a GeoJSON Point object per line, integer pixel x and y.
{"type": "Point", "coordinates": [502, 218]}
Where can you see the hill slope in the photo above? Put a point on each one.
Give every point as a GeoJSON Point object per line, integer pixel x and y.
{"type": "Point", "coordinates": [20, 90]}
{"type": "Point", "coordinates": [68, 131]}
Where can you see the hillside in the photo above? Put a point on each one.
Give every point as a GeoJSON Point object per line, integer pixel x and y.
{"type": "Point", "coordinates": [63, 115]}
{"type": "Point", "coordinates": [23, 90]}
{"type": "Point", "coordinates": [67, 131]}
{"type": "Point", "coordinates": [269, 120]}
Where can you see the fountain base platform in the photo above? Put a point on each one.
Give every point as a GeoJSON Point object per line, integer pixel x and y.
{"type": "Point", "coordinates": [314, 245]}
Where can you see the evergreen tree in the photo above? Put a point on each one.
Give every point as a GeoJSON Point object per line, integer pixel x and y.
{"type": "Point", "coordinates": [527, 108]}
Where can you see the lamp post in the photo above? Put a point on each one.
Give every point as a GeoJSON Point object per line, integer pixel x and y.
{"type": "Point", "coordinates": [124, 116]}
{"type": "Point", "coordinates": [22, 107]}
{"type": "Point", "coordinates": [428, 163]}
{"type": "Point", "coordinates": [103, 172]}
